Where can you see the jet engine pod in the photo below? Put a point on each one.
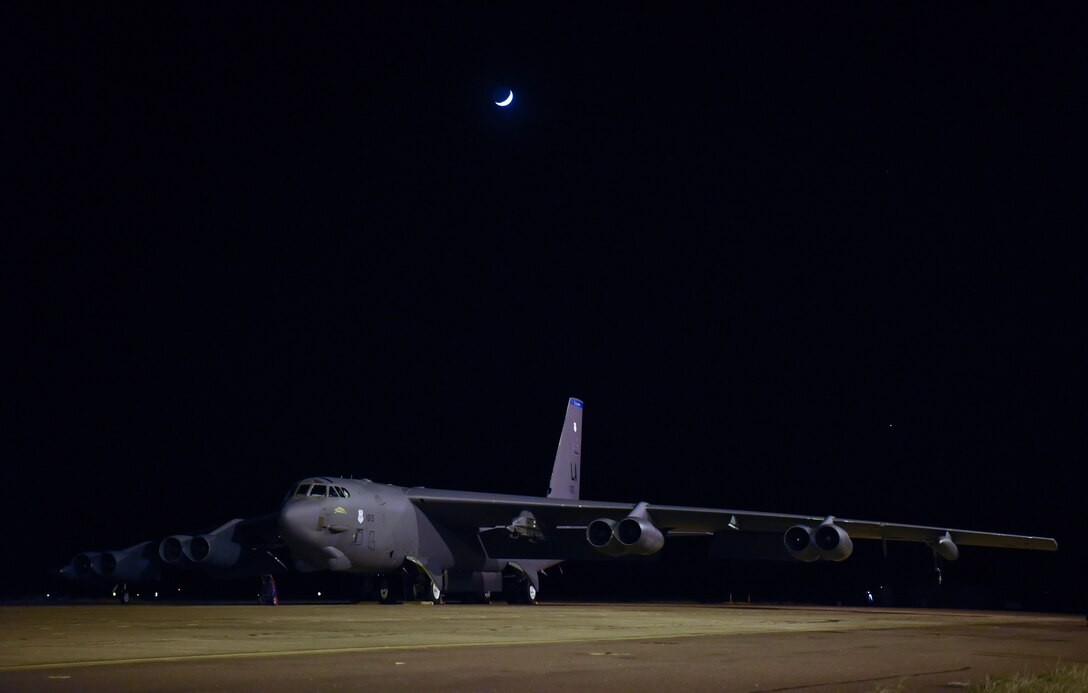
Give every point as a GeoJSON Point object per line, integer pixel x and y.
{"type": "Point", "coordinates": [799, 543]}
{"type": "Point", "coordinates": [832, 541]}
{"type": "Point", "coordinates": [639, 536]}
{"type": "Point", "coordinates": [213, 551]}
{"type": "Point", "coordinates": [106, 564]}
{"type": "Point", "coordinates": [134, 564]}
{"type": "Point", "coordinates": [81, 567]}
{"type": "Point", "coordinates": [601, 536]}
{"type": "Point", "coordinates": [172, 550]}
{"type": "Point", "coordinates": [221, 551]}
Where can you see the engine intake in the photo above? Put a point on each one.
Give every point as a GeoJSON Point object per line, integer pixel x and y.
{"type": "Point", "coordinates": [833, 541]}
{"type": "Point", "coordinates": [134, 564]}
{"type": "Point", "coordinates": [828, 542]}
{"type": "Point", "coordinates": [639, 536]}
{"type": "Point", "coordinates": [107, 564]}
{"type": "Point", "coordinates": [600, 536]}
{"type": "Point", "coordinates": [217, 549]}
{"type": "Point", "coordinates": [173, 549]}
{"type": "Point", "coordinates": [81, 566]}
{"type": "Point", "coordinates": [799, 543]}
{"type": "Point", "coordinates": [634, 534]}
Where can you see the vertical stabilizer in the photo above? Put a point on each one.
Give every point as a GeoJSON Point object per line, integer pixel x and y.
{"type": "Point", "coordinates": [567, 471]}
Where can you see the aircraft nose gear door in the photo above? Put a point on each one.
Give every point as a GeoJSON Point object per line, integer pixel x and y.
{"type": "Point", "coordinates": [424, 589]}
{"type": "Point", "coordinates": [424, 583]}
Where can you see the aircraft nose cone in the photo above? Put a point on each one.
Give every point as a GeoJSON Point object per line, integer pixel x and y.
{"type": "Point", "coordinates": [299, 521]}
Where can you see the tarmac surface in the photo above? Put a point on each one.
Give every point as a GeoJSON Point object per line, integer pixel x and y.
{"type": "Point", "coordinates": [175, 647]}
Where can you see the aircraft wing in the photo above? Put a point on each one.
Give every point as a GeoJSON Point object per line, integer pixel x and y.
{"type": "Point", "coordinates": [466, 508]}
{"type": "Point", "coordinates": [490, 511]}
{"type": "Point", "coordinates": [239, 548]}
{"type": "Point", "coordinates": [711, 520]}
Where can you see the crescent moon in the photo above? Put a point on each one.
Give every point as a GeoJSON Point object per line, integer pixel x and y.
{"type": "Point", "coordinates": [507, 101]}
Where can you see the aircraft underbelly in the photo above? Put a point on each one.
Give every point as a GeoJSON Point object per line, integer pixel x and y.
{"type": "Point", "coordinates": [451, 548]}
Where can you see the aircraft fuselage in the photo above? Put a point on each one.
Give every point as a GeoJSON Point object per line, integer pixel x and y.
{"type": "Point", "coordinates": [373, 530]}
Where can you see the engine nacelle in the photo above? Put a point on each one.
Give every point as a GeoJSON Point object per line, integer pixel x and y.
{"type": "Point", "coordinates": [799, 543]}
{"type": "Point", "coordinates": [828, 542]}
{"type": "Point", "coordinates": [634, 534]}
{"type": "Point", "coordinates": [81, 567]}
{"type": "Point", "coordinates": [106, 565]}
{"type": "Point", "coordinates": [833, 541]}
{"type": "Point", "coordinates": [226, 553]}
{"type": "Point", "coordinates": [216, 549]}
{"type": "Point", "coordinates": [134, 564]}
{"type": "Point", "coordinates": [601, 535]}
{"type": "Point", "coordinates": [173, 550]}
{"type": "Point", "coordinates": [638, 536]}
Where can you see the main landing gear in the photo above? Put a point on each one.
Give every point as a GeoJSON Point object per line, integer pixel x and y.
{"type": "Point", "coordinates": [520, 591]}
{"type": "Point", "coordinates": [409, 585]}
{"type": "Point", "coordinates": [423, 589]}
{"type": "Point", "coordinates": [385, 592]}
{"type": "Point", "coordinates": [436, 593]}
{"type": "Point", "coordinates": [415, 583]}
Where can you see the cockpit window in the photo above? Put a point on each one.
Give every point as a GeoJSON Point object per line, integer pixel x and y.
{"type": "Point", "coordinates": [310, 489]}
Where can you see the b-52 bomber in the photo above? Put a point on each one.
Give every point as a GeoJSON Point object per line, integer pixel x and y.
{"type": "Point", "coordinates": [420, 543]}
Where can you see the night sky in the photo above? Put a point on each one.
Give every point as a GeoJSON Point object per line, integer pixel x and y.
{"type": "Point", "coordinates": [798, 258]}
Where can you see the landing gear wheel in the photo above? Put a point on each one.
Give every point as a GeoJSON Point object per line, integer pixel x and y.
{"type": "Point", "coordinates": [522, 592]}
{"type": "Point", "coordinates": [385, 591]}
{"type": "Point", "coordinates": [122, 594]}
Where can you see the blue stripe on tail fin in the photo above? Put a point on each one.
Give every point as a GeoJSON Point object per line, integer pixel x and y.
{"type": "Point", "coordinates": [567, 470]}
